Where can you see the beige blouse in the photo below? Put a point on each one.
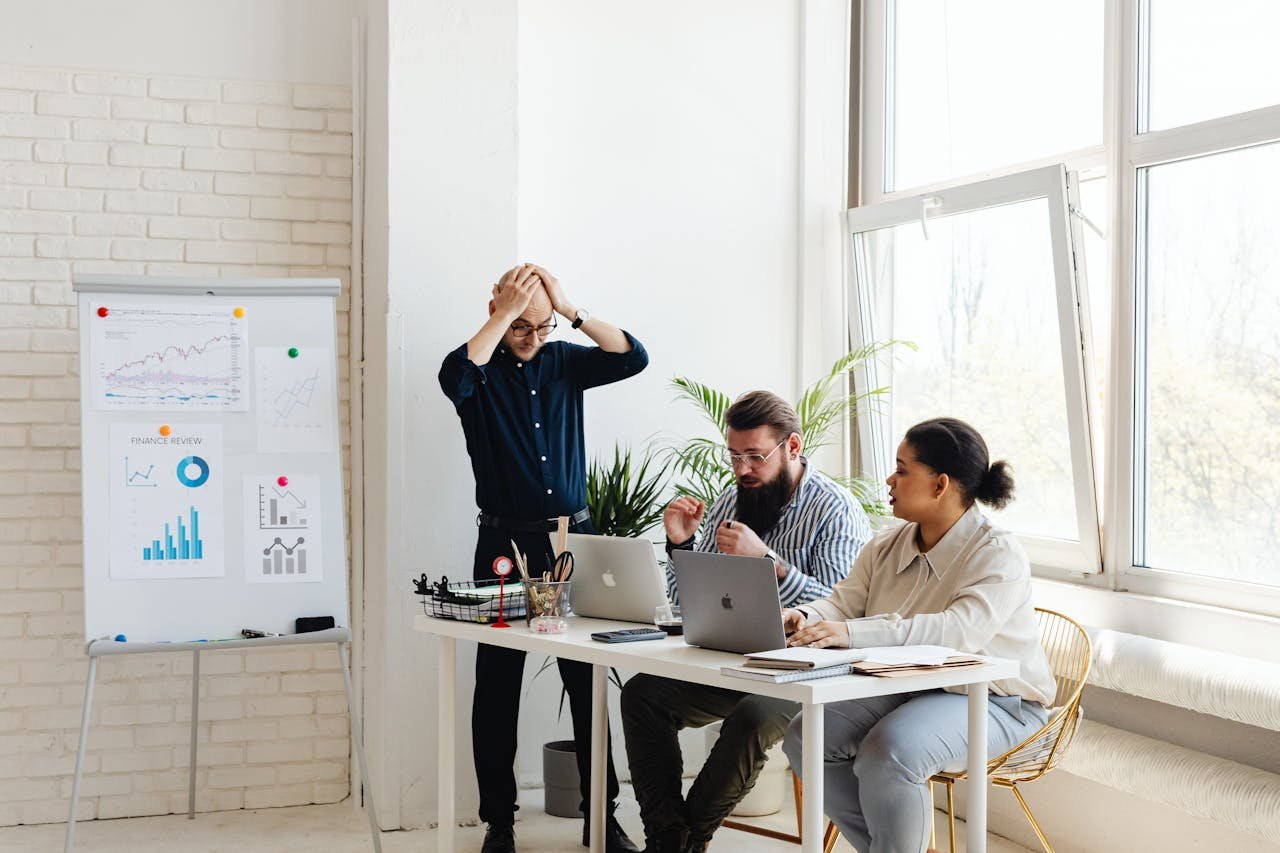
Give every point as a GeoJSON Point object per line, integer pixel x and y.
{"type": "Point", "coordinates": [971, 592]}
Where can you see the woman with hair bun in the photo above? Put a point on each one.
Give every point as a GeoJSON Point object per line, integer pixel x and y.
{"type": "Point", "coordinates": [947, 577]}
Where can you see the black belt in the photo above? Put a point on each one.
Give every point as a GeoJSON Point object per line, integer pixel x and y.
{"type": "Point", "coordinates": [486, 520]}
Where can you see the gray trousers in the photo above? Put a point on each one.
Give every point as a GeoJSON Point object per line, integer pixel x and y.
{"type": "Point", "coordinates": [880, 752]}
{"type": "Point", "coordinates": [654, 709]}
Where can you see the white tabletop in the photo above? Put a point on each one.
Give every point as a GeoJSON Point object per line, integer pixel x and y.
{"type": "Point", "coordinates": [673, 658]}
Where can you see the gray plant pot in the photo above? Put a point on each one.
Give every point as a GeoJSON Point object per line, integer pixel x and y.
{"type": "Point", "coordinates": [560, 779]}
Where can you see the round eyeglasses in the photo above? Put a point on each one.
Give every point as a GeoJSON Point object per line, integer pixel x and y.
{"type": "Point", "coordinates": [734, 460]}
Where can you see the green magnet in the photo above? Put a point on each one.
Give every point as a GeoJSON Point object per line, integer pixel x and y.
{"type": "Point", "coordinates": [293, 352]}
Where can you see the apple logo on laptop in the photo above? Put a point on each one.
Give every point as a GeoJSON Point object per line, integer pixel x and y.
{"type": "Point", "coordinates": [607, 577]}
{"type": "Point", "coordinates": [726, 602]}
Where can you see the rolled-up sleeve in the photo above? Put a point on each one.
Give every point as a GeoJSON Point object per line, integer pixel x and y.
{"type": "Point", "coordinates": [593, 366]}
{"type": "Point", "coordinates": [459, 376]}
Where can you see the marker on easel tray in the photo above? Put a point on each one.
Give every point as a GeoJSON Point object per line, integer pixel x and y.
{"type": "Point", "coordinates": [102, 312]}
{"type": "Point", "coordinates": [293, 352]}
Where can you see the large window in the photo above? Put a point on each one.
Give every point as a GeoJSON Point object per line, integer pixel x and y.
{"type": "Point", "coordinates": [1135, 389]}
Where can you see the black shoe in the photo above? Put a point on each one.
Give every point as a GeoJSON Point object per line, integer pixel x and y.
{"type": "Point", "coordinates": [615, 840]}
{"type": "Point", "coordinates": [501, 838]}
{"type": "Point", "coordinates": [671, 841]}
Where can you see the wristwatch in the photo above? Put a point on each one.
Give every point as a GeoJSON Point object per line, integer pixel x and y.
{"type": "Point", "coordinates": [773, 555]}
{"type": "Point", "coordinates": [581, 317]}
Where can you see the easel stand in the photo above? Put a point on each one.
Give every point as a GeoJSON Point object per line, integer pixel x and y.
{"type": "Point", "coordinates": [100, 648]}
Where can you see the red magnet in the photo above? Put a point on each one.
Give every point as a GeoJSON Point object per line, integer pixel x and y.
{"type": "Point", "coordinates": [502, 567]}
{"type": "Point", "coordinates": [102, 312]}
{"type": "Point", "coordinates": [282, 481]}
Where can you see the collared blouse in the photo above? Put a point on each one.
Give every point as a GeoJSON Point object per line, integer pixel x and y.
{"type": "Point", "coordinates": [971, 592]}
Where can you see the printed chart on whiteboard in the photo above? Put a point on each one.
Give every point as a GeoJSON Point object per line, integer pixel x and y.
{"type": "Point", "coordinates": [169, 358]}
{"type": "Point", "coordinates": [295, 393]}
{"type": "Point", "coordinates": [166, 501]}
{"type": "Point", "coordinates": [282, 530]}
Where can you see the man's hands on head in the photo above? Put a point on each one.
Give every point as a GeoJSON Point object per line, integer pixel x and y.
{"type": "Point", "coordinates": [559, 302]}
{"type": "Point", "coordinates": [512, 295]}
{"type": "Point", "coordinates": [682, 517]}
{"type": "Point", "coordinates": [734, 537]}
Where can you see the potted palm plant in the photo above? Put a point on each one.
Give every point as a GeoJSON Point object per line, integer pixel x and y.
{"type": "Point", "coordinates": [822, 407]}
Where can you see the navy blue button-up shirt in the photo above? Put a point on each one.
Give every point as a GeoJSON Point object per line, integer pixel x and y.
{"type": "Point", "coordinates": [523, 422]}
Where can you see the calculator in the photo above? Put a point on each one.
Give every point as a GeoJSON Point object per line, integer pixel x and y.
{"type": "Point", "coordinates": [629, 635]}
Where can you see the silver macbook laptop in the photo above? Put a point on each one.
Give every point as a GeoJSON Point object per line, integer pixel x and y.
{"type": "Point", "coordinates": [614, 578]}
{"type": "Point", "coordinates": [729, 603]}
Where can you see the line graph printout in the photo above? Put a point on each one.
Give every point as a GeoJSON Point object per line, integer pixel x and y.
{"type": "Point", "coordinates": [282, 530]}
{"type": "Point", "coordinates": [168, 358]}
{"type": "Point", "coordinates": [295, 399]}
{"type": "Point", "coordinates": [166, 502]}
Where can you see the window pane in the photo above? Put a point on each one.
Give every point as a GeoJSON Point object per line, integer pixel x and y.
{"type": "Point", "coordinates": [1212, 438]}
{"type": "Point", "coordinates": [978, 300]}
{"type": "Point", "coordinates": [981, 85]}
{"type": "Point", "coordinates": [1210, 61]}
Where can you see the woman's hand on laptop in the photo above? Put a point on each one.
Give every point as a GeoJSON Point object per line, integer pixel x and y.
{"type": "Point", "coordinates": [820, 635]}
{"type": "Point", "coordinates": [792, 620]}
{"type": "Point", "coordinates": [682, 517]}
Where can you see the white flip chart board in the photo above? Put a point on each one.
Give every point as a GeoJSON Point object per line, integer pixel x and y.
{"type": "Point", "coordinates": [211, 458]}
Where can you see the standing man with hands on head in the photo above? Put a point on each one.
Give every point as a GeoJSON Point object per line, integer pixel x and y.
{"type": "Point", "coordinates": [519, 398]}
{"type": "Point", "coordinates": [812, 529]}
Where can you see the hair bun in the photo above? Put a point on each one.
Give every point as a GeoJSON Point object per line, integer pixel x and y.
{"type": "Point", "coordinates": [996, 488]}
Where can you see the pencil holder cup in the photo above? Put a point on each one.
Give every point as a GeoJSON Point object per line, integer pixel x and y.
{"type": "Point", "coordinates": [547, 606]}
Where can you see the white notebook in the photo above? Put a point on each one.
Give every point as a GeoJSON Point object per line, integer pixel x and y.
{"type": "Point", "coordinates": [781, 676]}
{"type": "Point", "coordinates": [804, 658]}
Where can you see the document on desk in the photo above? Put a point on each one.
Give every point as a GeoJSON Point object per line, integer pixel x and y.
{"type": "Point", "coordinates": [908, 655]}
{"type": "Point", "coordinates": [804, 658]}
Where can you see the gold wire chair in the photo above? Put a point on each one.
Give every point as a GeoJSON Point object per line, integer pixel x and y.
{"type": "Point", "coordinates": [1070, 653]}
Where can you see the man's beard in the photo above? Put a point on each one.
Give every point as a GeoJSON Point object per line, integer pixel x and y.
{"type": "Point", "coordinates": [760, 508]}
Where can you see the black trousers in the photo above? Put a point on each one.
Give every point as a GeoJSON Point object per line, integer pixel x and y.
{"type": "Point", "coordinates": [495, 706]}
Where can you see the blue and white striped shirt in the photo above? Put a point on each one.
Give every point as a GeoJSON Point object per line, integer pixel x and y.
{"type": "Point", "coordinates": [819, 535]}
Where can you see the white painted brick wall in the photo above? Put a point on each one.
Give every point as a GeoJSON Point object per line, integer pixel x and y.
{"type": "Point", "coordinates": [104, 172]}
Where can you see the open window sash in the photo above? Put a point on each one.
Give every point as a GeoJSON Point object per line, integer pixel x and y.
{"type": "Point", "coordinates": [985, 278]}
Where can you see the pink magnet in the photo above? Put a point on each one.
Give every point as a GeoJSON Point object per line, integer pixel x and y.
{"type": "Point", "coordinates": [282, 481]}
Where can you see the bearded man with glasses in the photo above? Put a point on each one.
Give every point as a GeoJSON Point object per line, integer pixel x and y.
{"type": "Point", "coordinates": [812, 529]}
{"type": "Point", "coordinates": [519, 398]}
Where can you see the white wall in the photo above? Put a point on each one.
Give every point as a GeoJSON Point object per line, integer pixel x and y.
{"type": "Point", "coordinates": [658, 178]}
{"type": "Point", "coordinates": [297, 40]}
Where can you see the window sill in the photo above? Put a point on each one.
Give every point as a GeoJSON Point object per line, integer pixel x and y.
{"type": "Point", "coordinates": [1199, 625]}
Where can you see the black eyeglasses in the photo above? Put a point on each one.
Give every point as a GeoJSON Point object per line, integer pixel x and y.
{"type": "Point", "coordinates": [524, 330]}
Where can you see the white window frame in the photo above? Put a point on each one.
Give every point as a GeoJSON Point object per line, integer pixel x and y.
{"type": "Point", "coordinates": [1123, 153]}
{"type": "Point", "coordinates": [1049, 183]}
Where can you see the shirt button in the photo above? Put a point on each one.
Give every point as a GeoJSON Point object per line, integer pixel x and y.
{"type": "Point", "coordinates": [537, 426]}
{"type": "Point", "coordinates": [519, 364]}
{"type": "Point", "coordinates": [548, 491]}
{"type": "Point", "coordinates": [534, 393]}
{"type": "Point", "coordinates": [544, 459]}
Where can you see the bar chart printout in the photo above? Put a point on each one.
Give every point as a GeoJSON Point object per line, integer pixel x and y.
{"type": "Point", "coordinates": [282, 530]}
{"type": "Point", "coordinates": [166, 501]}
{"type": "Point", "coordinates": [182, 542]}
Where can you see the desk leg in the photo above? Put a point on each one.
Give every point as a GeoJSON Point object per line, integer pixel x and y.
{"type": "Point", "coordinates": [811, 766]}
{"type": "Point", "coordinates": [976, 814]}
{"type": "Point", "coordinates": [445, 739]}
{"type": "Point", "coordinates": [195, 730]}
{"type": "Point", "coordinates": [599, 805]}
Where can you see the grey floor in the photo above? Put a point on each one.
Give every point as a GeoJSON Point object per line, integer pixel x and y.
{"type": "Point", "coordinates": [341, 827]}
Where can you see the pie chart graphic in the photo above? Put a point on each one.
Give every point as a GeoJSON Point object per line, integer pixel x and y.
{"type": "Point", "coordinates": [184, 471]}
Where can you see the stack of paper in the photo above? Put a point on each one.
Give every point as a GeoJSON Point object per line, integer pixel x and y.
{"type": "Point", "coordinates": [889, 661]}
{"type": "Point", "coordinates": [781, 676]}
{"type": "Point", "coordinates": [804, 658]}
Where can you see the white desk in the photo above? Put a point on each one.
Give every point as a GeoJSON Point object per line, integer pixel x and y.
{"type": "Point", "coordinates": [670, 657]}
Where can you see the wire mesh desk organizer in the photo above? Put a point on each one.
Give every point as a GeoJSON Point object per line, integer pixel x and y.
{"type": "Point", "coordinates": [468, 601]}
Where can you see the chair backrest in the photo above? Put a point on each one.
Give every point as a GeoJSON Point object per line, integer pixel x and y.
{"type": "Point", "coordinates": [1070, 654]}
